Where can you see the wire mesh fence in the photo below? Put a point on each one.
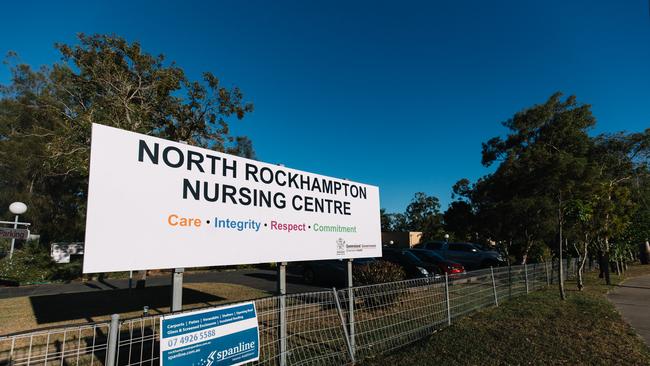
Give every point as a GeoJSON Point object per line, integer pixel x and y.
{"type": "Point", "coordinates": [76, 345]}
{"type": "Point", "coordinates": [318, 328]}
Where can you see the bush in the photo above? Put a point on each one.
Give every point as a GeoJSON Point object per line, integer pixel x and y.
{"type": "Point", "coordinates": [32, 263]}
{"type": "Point", "coordinates": [67, 271]}
{"type": "Point", "coordinates": [26, 266]}
{"type": "Point", "coordinates": [377, 272]}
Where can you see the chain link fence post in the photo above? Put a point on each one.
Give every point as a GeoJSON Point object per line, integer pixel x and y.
{"type": "Point", "coordinates": [552, 269]}
{"type": "Point", "coordinates": [509, 281]}
{"type": "Point", "coordinates": [494, 287]}
{"type": "Point", "coordinates": [111, 350]}
{"type": "Point", "coordinates": [526, 277]}
{"type": "Point", "coordinates": [567, 269]}
{"type": "Point", "coordinates": [447, 299]}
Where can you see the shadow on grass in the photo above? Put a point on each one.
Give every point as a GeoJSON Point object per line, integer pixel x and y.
{"type": "Point", "coordinates": [272, 277]}
{"type": "Point", "coordinates": [86, 305]}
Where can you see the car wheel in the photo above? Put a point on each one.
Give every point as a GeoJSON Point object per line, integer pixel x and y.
{"type": "Point", "coordinates": [308, 276]}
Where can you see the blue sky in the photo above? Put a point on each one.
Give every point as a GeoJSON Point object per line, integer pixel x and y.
{"type": "Point", "coordinates": [397, 94]}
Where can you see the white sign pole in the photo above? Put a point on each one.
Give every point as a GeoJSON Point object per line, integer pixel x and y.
{"type": "Point", "coordinates": [177, 289]}
{"type": "Point", "coordinates": [282, 291]}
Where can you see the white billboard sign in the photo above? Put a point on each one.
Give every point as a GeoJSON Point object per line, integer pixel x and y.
{"type": "Point", "coordinates": [154, 203]}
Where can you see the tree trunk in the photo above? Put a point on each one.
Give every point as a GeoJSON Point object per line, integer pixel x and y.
{"type": "Point", "coordinates": [581, 284]}
{"type": "Point", "coordinates": [605, 268]}
{"type": "Point", "coordinates": [607, 248]}
{"type": "Point", "coordinates": [583, 261]}
{"type": "Point", "coordinates": [560, 271]}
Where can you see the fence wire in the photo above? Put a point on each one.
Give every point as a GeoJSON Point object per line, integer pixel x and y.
{"type": "Point", "coordinates": [318, 328]}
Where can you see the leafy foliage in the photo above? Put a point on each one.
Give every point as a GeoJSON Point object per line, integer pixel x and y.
{"type": "Point", "coordinates": [46, 117]}
{"type": "Point", "coordinates": [554, 183]}
{"type": "Point", "coordinates": [422, 214]}
{"type": "Point", "coordinates": [377, 272]}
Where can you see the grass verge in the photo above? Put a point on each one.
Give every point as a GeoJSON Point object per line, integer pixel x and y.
{"type": "Point", "coordinates": [538, 329]}
{"type": "Point", "coordinates": [32, 312]}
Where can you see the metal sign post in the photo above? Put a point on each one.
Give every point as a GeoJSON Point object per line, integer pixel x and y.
{"type": "Point", "coordinates": [13, 240]}
{"type": "Point", "coordinates": [177, 289]}
{"type": "Point", "coordinates": [282, 291]}
{"type": "Point", "coordinates": [351, 304]}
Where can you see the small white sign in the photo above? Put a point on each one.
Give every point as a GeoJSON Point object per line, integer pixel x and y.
{"type": "Point", "coordinates": [61, 252]}
{"type": "Point", "coordinates": [154, 203]}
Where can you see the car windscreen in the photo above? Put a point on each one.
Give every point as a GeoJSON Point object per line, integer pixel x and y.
{"type": "Point", "coordinates": [428, 256]}
{"type": "Point", "coordinates": [462, 247]}
{"type": "Point", "coordinates": [411, 257]}
{"type": "Point", "coordinates": [480, 247]}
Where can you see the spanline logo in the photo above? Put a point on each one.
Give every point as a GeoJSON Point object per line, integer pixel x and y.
{"type": "Point", "coordinates": [227, 335]}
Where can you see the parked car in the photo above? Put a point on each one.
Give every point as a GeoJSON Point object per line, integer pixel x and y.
{"type": "Point", "coordinates": [412, 265]}
{"type": "Point", "coordinates": [452, 269]}
{"type": "Point", "coordinates": [467, 254]}
{"type": "Point", "coordinates": [329, 272]}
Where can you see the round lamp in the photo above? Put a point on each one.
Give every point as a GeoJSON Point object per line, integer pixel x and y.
{"type": "Point", "coordinates": [18, 208]}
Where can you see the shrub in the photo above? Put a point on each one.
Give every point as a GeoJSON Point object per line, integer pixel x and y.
{"type": "Point", "coordinates": [377, 272]}
{"type": "Point", "coordinates": [25, 267]}
{"type": "Point", "coordinates": [67, 271]}
{"type": "Point", "coordinates": [32, 264]}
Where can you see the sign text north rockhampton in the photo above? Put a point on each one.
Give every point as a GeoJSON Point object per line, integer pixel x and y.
{"type": "Point", "coordinates": [210, 191]}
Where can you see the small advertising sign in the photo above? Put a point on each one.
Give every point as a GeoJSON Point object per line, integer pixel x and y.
{"type": "Point", "coordinates": [227, 335]}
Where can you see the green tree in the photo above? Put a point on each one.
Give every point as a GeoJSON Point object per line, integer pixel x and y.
{"type": "Point", "coordinates": [423, 214]}
{"type": "Point", "coordinates": [459, 220]}
{"type": "Point", "coordinates": [46, 116]}
{"type": "Point", "coordinates": [386, 220]}
{"type": "Point", "coordinates": [619, 164]}
{"type": "Point", "coordinates": [547, 155]}
{"type": "Point", "coordinates": [400, 223]}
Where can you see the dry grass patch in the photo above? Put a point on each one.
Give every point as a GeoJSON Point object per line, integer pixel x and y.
{"type": "Point", "coordinates": [25, 313]}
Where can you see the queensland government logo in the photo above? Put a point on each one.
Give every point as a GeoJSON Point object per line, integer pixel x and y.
{"type": "Point", "coordinates": [340, 246]}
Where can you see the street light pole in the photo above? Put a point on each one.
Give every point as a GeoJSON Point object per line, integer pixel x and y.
{"type": "Point", "coordinates": [13, 240]}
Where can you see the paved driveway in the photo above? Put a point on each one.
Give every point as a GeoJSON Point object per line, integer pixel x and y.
{"type": "Point", "coordinates": [632, 299]}
{"type": "Point", "coordinates": [255, 278]}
